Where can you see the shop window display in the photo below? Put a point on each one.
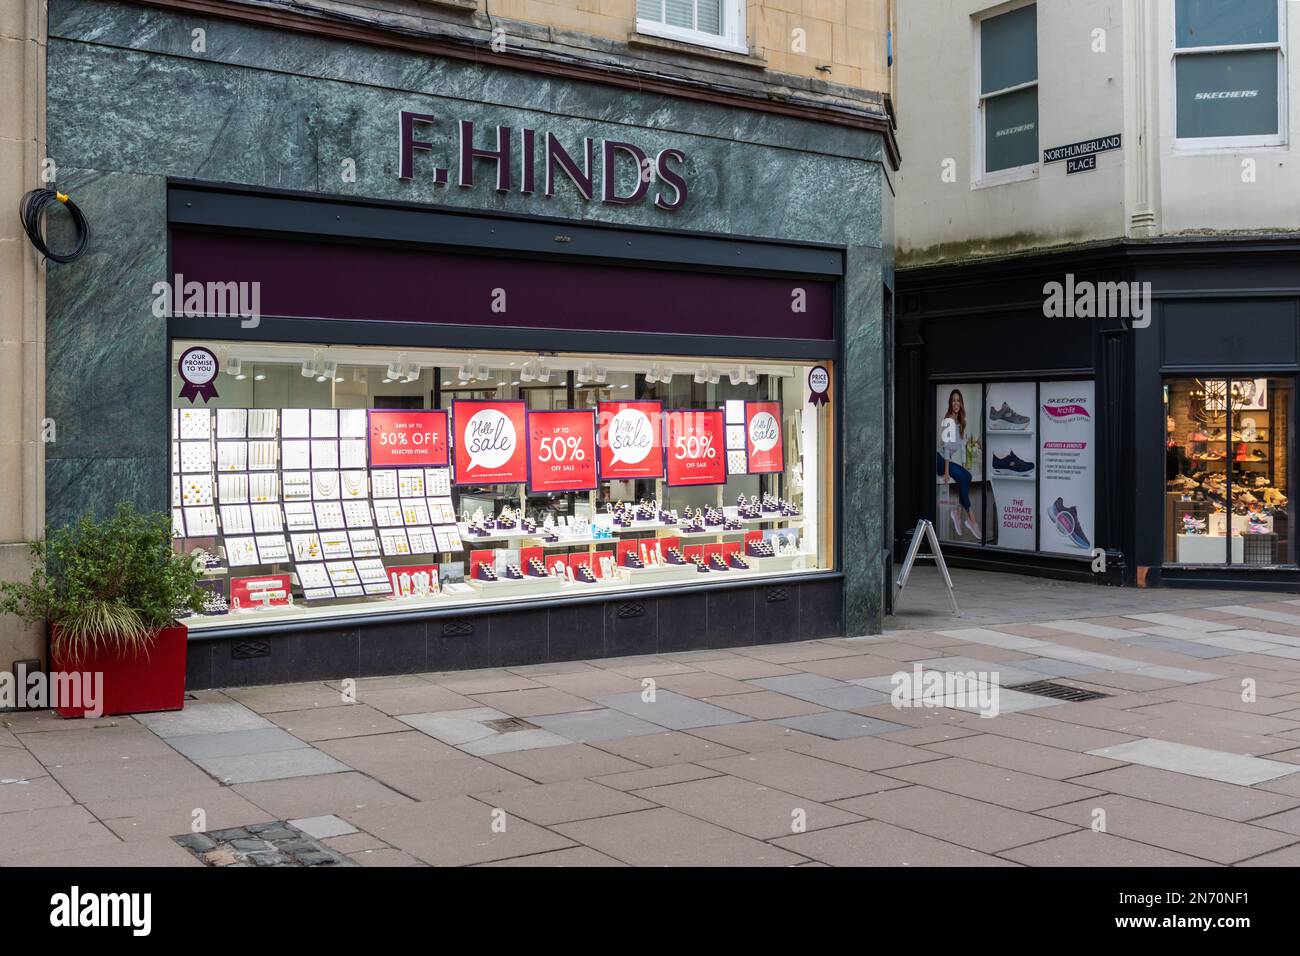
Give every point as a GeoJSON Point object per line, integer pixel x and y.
{"type": "Point", "coordinates": [323, 481]}
{"type": "Point", "coordinates": [1227, 459]}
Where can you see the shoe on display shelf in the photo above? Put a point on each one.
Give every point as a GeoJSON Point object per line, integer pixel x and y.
{"type": "Point", "coordinates": [1007, 419]}
{"type": "Point", "coordinates": [1011, 464]}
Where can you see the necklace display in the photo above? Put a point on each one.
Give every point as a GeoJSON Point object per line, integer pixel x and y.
{"type": "Point", "coordinates": [326, 483]}
{"type": "Point", "coordinates": [354, 483]}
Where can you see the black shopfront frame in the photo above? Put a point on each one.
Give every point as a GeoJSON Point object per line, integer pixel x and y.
{"type": "Point", "coordinates": [807, 605]}
{"type": "Point", "coordinates": [1220, 307]}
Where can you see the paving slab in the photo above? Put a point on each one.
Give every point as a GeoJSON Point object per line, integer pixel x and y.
{"type": "Point", "coordinates": [996, 785]}
{"type": "Point", "coordinates": [1197, 761]}
{"type": "Point", "coordinates": [672, 710]}
{"type": "Point", "coordinates": [755, 736]}
{"type": "Point", "coordinates": [456, 726]}
{"type": "Point", "coordinates": [204, 718]}
{"type": "Point", "coordinates": [85, 745]}
{"type": "Point", "coordinates": [592, 725]}
{"type": "Point", "coordinates": [323, 826]}
{"type": "Point", "coordinates": [1201, 795]}
{"type": "Point", "coordinates": [553, 764]}
{"type": "Point", "coordinates": [154, 852]}
{"type": "Point", "coordinates": [534, 702]}
{"type": "Point", "coordinates": [564, 802]}
{"type": "Point", "coordinates": [421, 767]}
{"type": "Point", "coordinates": [803, 775]}
{"type": "Point", "coordinates": [271, 698]}
{"type": "Point", "coordinates": [825, 691]}
{"type": "Point", "coordinates": [956, 819]}
{"type": "Point", "coordinates": [768, 705]}
{"type": "Point", "coordinates": [1031, 758]}
{"type": "Point", "coordinates": [1182, 831]}
{"type": "Point", "coordinates": [306, 797]}
{"type": "Point", "coordinates": [746, 807]}
{"type": "Point", "coordinates": [234, 743]}
{"type": "Point", "coordinates": [418, 698]}
{"type": "Point", "coordinates": [48, 830]}
{"type": "Point", "coordinates": [655, 776]}
{"type": "Point", "coordinates": [578, 856]}
{"type": "Point", "coordinates": [31, 793]}
{"type": "Point", "coordinates": [875, 843]}
{"type": "Point", "coordinates": [170, 815]}
{"type": "Point", "coordinates": [867, 753]}
{"type": "Point", "coordinates": [1089, 848]}
{"type": "Point", "coordinates": [515, 740]}
{"type": "Point", "coordinates": [662, 749]}
{"type": "Point", "coordinates": [455, 831]}
{"type": "Point", "coordinates": [838, 725]}
{"type": "Point", "coordinates": [330, 723]}
{"type": "Point", "coordinates": [665, 837]}
{"type": "Point", "coordinates": [276, 765]}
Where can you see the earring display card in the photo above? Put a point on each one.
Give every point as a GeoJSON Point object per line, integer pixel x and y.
{"type": "Point", "coordinates": [241, 552]}
{"type": "Point", "coordinates": [299, 516]}
{"type": "Point", "coordinates": [324, 423]}
{"type": "Point", "coordinates": [236, 519]}
{"type": "Point", "coordinates": [383, 482]}
{"type": "Point", "coordinates": [263, 456]}
{"type": "Point", "coordinates": [388, 513]}
{"type": "Point", "coordinates": [393, 541]}
{"type": "Point", "coordinates": [178, 523]}
{"type": "Point", "coordinates": [306, 547]}
{"type": "Point", "coordinates": [267, 519]}
{"type": "Point", "coordinates": [329, 514]}
{"type": "Point", "coordinates": [272, 548]}
{"type": "Point", "coordinates": [196, 423]}
{"type": "Point", "coordinates": [176, 457]}
{"type": "Point", "coordinates": [312, 576]}
{"type": "Point", "coordinates": [295, 454]}
{"type": "Point", "coordinates": [176, 423]}
{"type": "Point", "coordinates": [201, 522]}
{"type": "Point", "coordinates": [232, 489]}
{"type": "Point", "coordinates": [317, 594]}
{"type": "Point", "coordinates": [196, 490]}
{"type": "Point", "coordinates": [737, 463]}
{"type": "Point", "coordinates": [410, 484]}
{"type": "Point", "coordinates": [264, 487]}
{"type": "Point", "coordinates": [352, 422]}
{"type": "Point", "coordinates": [324, 484]}
{"type": "Point", "coordinates": [371, 571]}
{"type": "Point", "coordinates": [196, 456]}
{"type": "Point", "coordinates": [295, 423]}
{"type": "Point", "coordinates": [176, 491]}
{"type": "Point", "coordinates": [232, 422]}
{"type": "Point", "coordinates": [324, 453]}
{"type": "Point", "coordinates": [441, 511]}
{"type": "Point", "coordinates": [334, 544]}
{"type": "Point", "coordinates": [262, 422]}
{"type": "Point", "coordinates": [297, 486]}
{"type": "Point", "coordinates": [736, 412]}
{"type": "Point", "coordinates": [415, 511]}
{"type": "Point", "coordinates": [365, 543]}
{"type": "Point", "coordinates": [356, 514]}
{"type": "Point", "coordinates": [343, 574]}
{"type": "Point", "coordinates": [448, 538]}
{"type": "Point", "coordinates": [437, 482]}
{"type": "Point", "coordinates": [421, 540]}
{"type": "Point", "coordinates": [352, 453]}
{"type": "Point", "coordinates": [736, 437]}
{"type": "Point", "coordinates": [232, 456]}
{"type": "Point", "coordinates": [355, 485]}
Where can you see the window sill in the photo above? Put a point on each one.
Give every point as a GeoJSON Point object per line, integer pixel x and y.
{"type": "Point", "coordinates": [1217, 147]}
{"type": "Point", "coordinates": [1003, 177]}
{"type": "Point", "coordinates": [649, 41]}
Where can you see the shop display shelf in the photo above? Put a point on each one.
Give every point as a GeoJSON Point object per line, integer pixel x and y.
{"type": "Point", "coordinates": [670, 572]}
{"type": "Point", "coordinates": [780, 562]}
{"type": "Point", "coordinates": [511, 588]}
{"type": "Point", "coordinates": [465, 536]}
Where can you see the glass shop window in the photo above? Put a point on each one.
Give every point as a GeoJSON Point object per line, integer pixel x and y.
{"type": "Point", "coordinates": [324, 480]}
{"type": "Point", "coordinates": [1008, 89]}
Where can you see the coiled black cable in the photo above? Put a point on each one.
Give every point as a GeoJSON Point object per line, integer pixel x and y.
{"type": "Point", "coordinates": [31, 210]}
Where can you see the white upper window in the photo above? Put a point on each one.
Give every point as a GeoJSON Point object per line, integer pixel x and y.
{"type": "Point", "coordinates": [719, 24]}
{"type": "Point", "coordinates": [1006, 65]}
{"type": "Point", "coordinates": [1229, 73]}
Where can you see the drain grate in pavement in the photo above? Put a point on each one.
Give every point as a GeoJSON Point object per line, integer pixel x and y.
{"type": "Point", "coordinates": [1047, 688]}
{"type": "Point", "coordinates": [509, 724]}
{"type": "Point", "coordinates": [261, 844]}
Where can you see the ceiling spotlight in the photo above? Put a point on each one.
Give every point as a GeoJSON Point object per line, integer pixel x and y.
{"type": "Point", "coordinates": [329, 370]}
{"type": "Point", "coordinates": [600, 374]}
{"type": "Point", "coordinates": [543, 371]}
{"type": "Point", "coordinates": [412, 372]}
{"type": "Point", "coordinates": [736, 375]}
{"type": "Point", "coordinates": [528, 373]}
{"type": "Point", "coordinates": [751, 377]}
{"type": "Point", "coordinates": [586, 374]}
{"type": "Point", "coordinates": [702, 375]}
{"type": "Point", "coordinates": [308, 370]}
{"type": "Point", "coordinates": [465, 373]}
{"type": "Point", "coordinates": [481, 371]}
{"type": "Point", "coordinates": [233, 366]}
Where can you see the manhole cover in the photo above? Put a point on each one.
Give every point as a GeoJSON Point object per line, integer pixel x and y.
{"type": "Point", "coordinates": [508, 725]}
{"type": "Point", "coordinates": [1047, 688]}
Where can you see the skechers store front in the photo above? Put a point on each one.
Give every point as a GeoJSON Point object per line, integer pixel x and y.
{"type": "Point", "coordinates": [1061, 433]}
{"type": "Point", "coordinates": [432, 378]}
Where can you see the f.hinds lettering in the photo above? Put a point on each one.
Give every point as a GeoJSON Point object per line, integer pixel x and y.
{"type": "Point", "coordinates": [556, 162]}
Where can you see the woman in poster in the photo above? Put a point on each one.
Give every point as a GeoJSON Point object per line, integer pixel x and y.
{"type": "Point", "coordinates": [952, 441]}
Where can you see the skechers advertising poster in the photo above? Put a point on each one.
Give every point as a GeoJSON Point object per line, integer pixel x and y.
{"type": "Point", "coordinates": [959, 463]}
{"type": "Point", "coordinates": [1067, 423]}
{"type": "Point", "coordinates": [1011, 459]}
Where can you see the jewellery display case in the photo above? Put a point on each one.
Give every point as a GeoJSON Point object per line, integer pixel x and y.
{"type": "Point", "coordinates": [364, 509]}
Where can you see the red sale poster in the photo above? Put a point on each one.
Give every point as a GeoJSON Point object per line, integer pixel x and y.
{"type": "Point", "coordinates": [764, 450]}
{"type": "Point", "coordinates": [408, 438]}
{"type": "Point", "coordinates": [561, 450]}
{"type": "Point", "coordinates": [490, 442]}
{"type": "Point", "coordinates": [270, 590]}
{"type": "Point", "coordinates": [694, 441]}
{"type": "Point", "coordinates": [630, 445]}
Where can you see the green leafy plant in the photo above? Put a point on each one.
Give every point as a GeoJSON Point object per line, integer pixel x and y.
{"type": "Point", "coordinates": [106, 583]}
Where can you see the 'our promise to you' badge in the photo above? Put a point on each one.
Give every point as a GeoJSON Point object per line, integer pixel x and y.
{"type": "Point", "coordinates": [819, 385]}
{"type": "Point", "coordinates": [198, 369]}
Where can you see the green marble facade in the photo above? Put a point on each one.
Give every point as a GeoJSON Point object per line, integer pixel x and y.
{"type": "Point", "coordinates": [130, 104]}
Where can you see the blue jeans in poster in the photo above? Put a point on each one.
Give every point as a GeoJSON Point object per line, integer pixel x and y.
{"type": "Point", "coordinates": [959, 475]}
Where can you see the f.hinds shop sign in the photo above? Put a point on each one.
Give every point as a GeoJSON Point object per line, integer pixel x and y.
{"type": "Point", "coordinates": [519, 153]}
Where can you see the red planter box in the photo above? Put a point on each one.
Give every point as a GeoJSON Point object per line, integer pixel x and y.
{"type": "Point", "coordinates": [132, 684]}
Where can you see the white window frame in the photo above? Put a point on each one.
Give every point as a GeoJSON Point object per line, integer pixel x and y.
{"type": "Point", "coordinates": [1230, 143]}
{"type": "Point", "coordinates": [1012, 174]}
{"type": "Point", "coordinates": [732, 39]}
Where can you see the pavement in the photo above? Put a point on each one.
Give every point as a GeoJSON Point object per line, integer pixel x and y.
{"type": "Point", "coordinates": [779, 755]}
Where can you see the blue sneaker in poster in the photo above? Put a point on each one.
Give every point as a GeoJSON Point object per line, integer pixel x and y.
{"type": "Point", "coordinates": [1011, 464]}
